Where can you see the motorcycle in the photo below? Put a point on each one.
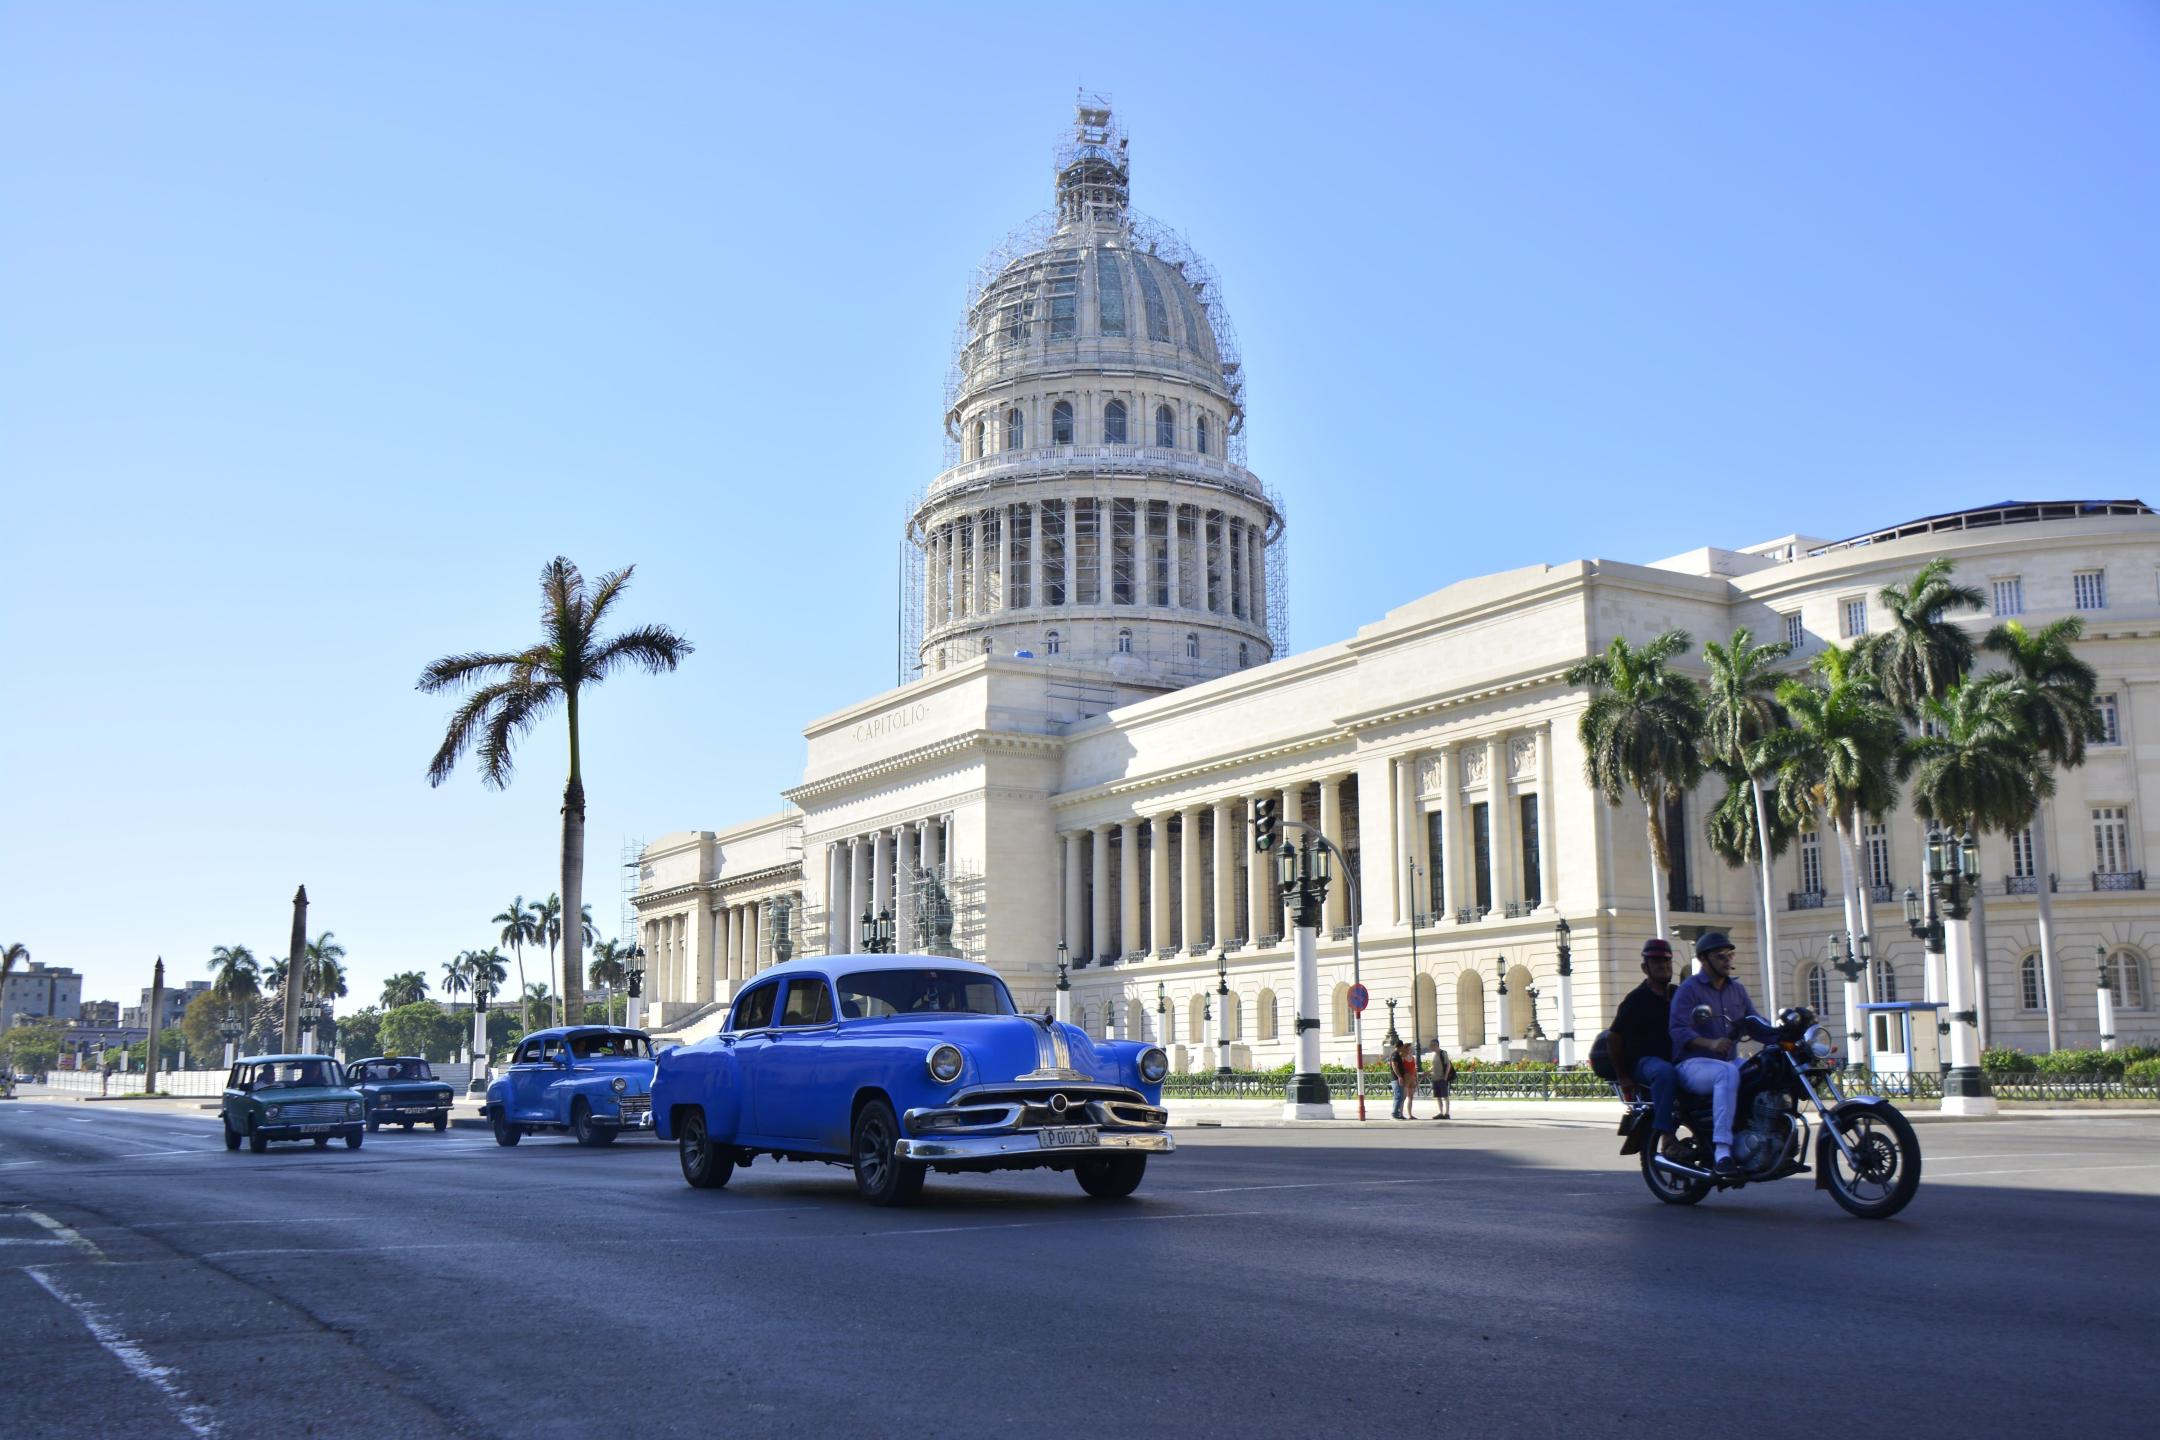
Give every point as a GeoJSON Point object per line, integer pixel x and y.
{"type": "Point", "coordinates": [1864, 1152]}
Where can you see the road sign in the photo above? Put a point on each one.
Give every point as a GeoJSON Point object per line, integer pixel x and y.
{"type": "Point", "coordinates": [1360, 997]}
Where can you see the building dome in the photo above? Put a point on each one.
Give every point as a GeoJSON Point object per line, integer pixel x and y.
{"type": "Point", "coordinates": [1098, 511]}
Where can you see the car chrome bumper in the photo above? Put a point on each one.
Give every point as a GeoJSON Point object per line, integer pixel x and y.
{"type": "Point", "coordinates": [1019, 1146]}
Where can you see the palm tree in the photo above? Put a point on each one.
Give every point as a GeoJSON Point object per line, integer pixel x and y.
{"type": "Point", "coordinates": [520, 927]}
{"type": "Point", "coordinates": [236, 977]}
{"type": "Point", "coordinates": [510, 692]}
{"type": "Point", "coordinates": [457, 975]}
{"type": "Point", "coordinates": [270, 1007]}
{"type": "Point", "coordinates": [1642, 732]}
{"type": "Point", "coordinates": [15, 954]}
{"type": "Point", "coordinates": [408, 987]}
{"type": "Point", "coordinates": [1740, 710]}
{"type": "Point", "coordinates": [537, 994]}
{"type": "Point", "coordinates": [547, 919]}
{"type": "Point", "coordinates": [1923, 655]}
{"type": "Point", "coordinates": [1971, 767]}
{"type": "Point", "coordinates": [487, 970]}
{"type": "Point", "coordinates": [325, 975]}
{"type": "Point", "coordinates": [607, 969]}
{"type": "Point", "coordinates": [2050, 692]}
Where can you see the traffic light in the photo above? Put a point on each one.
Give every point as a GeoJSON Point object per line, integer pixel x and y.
{"type": "Point", "coordinates": [1267, 825]}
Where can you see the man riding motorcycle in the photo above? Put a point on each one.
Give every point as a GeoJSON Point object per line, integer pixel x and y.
{"type": "Point", "coordinates": [1703, 1046]}
{"type": "Point", "coordinates": [1640, 1041]}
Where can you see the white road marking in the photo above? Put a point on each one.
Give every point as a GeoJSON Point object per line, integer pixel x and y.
{"type": "Point", "coordinates": [29, 1240]}
{"type": "Point", "coordinates": [331, 1250]}
{"type": "Point", "coordinates": [1095, 1220]}
{"type": "Point", "coordinates": [196, 1417]}
{"type": "Point", "coordinates": [2048, 1169]}
{"type": "Point", "coordinates": [1934, 1156]}
{"type": "Point", "coordinates": [71, 1236]}
{"type": "Point", "coordinates": [1312, 1185]}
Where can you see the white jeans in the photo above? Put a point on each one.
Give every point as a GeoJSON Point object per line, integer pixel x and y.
{"type": "Point", "coordinates": [1720, 1080]}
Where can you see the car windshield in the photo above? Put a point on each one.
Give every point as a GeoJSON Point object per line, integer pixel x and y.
{"type": "Point", "coordinates": [602, 1046]}
{"type": "Point", "coordinates": [394, 1070]}
{"type": "Point", "coordinates": [287, 1074]}
{"type": "Point", "coordinates": [881, 994]}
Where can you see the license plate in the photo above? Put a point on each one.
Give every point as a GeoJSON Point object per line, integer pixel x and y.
{"type": "Point", "coordinates": [1059, 1136]}
{"type": "Point", "coordinates": [316, 1129]}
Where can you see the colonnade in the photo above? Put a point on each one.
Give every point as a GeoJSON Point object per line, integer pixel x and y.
{"type": "Point", "coordinates": [701, 954]}
{"type": "Point", "coordinates": [1440, 794]}
{"type": "Point", "coordinates": [876, 872]}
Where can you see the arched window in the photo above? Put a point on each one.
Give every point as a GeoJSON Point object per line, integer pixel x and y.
{"type": "Point", "coordinates": [1165, 427]}
{"type": "Point", "coordinates": [1342, 1010]}
{"type": "Point", "coordinates": [982, 439]}
{"type": "Point", "coordinates": [1815, 984]}
{"type": "Point", "coordinates": [1124, 642]}
{"type": "Point", "coordinates": [1192, 645]}
{"type": "Point", "coordinates": [1264, 1020]}
{"type": "Point", "coordinates": [1061, 424]}
{"type": "Point", "coordinates": [1519, 981]}
{"type": "Point", "coordinates": [1200, 436]}
{"type": "Point", "coordinates": [1053, 643]}
{"type": "Point", "coordinates": [1469, 1009]}
{"type": "Point", "coordinates": [2126, 974]}
{"type": "Point", "coordinates": [1244, 655]}
{"type": "Point", "coordinates": [1135, 1020]}
{"type": "Point", "coordinates": [2032, 985]}
{"type": "Point", "coordinates": [1113, 423]}
{"type": "Point", "coordinates": [1015, 429]}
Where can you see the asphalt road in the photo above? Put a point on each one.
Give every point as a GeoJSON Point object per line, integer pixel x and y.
{"type": "Point", "coordinates": [1461, 1278]}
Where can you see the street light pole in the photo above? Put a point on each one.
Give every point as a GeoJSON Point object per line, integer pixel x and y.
{"type": "Point", "coordinates": [1064, 985]}
{"type": "Point", "coordinates": [2107, 1003]}
{"type": "Point", "coordinates": [1222, 1012]}
{"type": "Point", "coordinates": [1845, 959]}
{"type": "Point", "coordinates": [1162, 1016]}
{"type": "Point", "coordinates": [1417, 1021]}
{"type": "Point", "coordinates": [1500, 969]}
{"type": "Point", "coordinates": [1561, 936]}
{"type": "Point", "coordinates": [1303, 873]}
{"type": "Point", "coordinates": [634, 981]}
{"type": "Point", "coordinates": [1924, 920]}
{"type": "Point", "coordinates": [1953, 869]}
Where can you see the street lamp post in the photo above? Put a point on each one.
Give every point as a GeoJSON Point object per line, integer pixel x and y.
{"type": "Point", "coordinates": [1845, 958]}
{"type": "Point", "coordinates": [1222, 1012]}
{"type": "Point", "coordinates": [1162, 1016]}
{"type": "Point", "coordinates": [1953, 867]}
{"type": "Point", "coordinates": [1500, 968]}
{"type": "Point", "coordinates": [1303, 873]}
{"type": "Point", "coordinates": [307, 1030]}
{"type": "Point", "coordinates": [1064, 985]}
{"type": "Point", "coordinates": [1393, 1036]}
{"type": "Point", "coordinates": [230, 1029]}
{"type": "Point", "coordinates": [1417, 1021]}
{"type": "Point", "coordinates": [1566, 951]}
{"type": "Point", "coordinates": [634, 982]}
{"type": "Point", "coordinates": [1924, 920]}
{"type": "Point", "coordinates": [2107, 1003]}
{"type": "Point", "coordinates": [482, 991]}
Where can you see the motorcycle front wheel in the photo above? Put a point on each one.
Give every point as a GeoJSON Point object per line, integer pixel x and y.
{"type": "Point", "coordinates": [1884, 1171]}
{"type": "Point", "coordinates": [1668, 1187]}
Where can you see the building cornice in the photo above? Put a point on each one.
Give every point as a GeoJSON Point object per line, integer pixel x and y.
{"type": "Point", "coordinates": [969, 742]}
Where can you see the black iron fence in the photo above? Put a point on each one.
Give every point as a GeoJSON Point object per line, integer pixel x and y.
{"type": "Point", "coordinates": [1495, 1084]}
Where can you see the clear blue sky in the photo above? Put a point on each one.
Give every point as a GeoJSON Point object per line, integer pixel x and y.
{"type": "Point", "coordinates": [323, 326]}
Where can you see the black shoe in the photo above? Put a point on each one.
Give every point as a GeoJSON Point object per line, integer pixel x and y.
{"type": "Point", "coordinates": [1727, 1166]}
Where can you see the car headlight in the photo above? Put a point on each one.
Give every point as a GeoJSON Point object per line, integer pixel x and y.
{"type": "Point", "coordinates": [352, 1109]}
{"type": "Point", "coordinates": [618, 1084]}
{"type": "Point", "coordinates": [1817, 1041]}
{"type": "Point", "coordinates": [1154, 1065]}
{"type": "Point", "coordinates": [270, 1112]}
{"type": "Point", "coordinates": [945, 1063]}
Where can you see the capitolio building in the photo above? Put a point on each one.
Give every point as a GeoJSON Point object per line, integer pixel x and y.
{"type": "Point", "coordinates": [1096, 627]}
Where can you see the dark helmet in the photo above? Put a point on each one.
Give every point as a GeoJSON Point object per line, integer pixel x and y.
{"type": "Point", "coordinates": [1712, 940]}
{"type": "Point", "coordinates": [1656, 947]}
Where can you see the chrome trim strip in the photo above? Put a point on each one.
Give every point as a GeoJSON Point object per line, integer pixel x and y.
{"type": "Point", "coordinates": [993, 1147]}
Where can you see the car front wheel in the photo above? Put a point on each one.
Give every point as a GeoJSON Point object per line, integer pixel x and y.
{"type": "Point", "coordinates": [506, 1134]}
{"type": "Point", "coordinates": [257, 1141]}
{"type": "Point", "coordinates": [588, 1133]}
{"type": "Point", "coordinates": [703, 1164]}
{"type": "Point", "coordinates": [352, 1140]}
{"type": "Point", "coordinates": [442, 1123]}
{"type": "Point", "coordinates": [1113, 1177]}
{"type": "Point", "coordinates": [881, 1176]}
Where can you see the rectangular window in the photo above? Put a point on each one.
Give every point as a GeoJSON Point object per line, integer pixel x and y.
{"type": "Point", "coordinates": [2089, 589]}
{"type": "Point", "coordinates": [1087, 553]}
{"type": "Point", "coordinates": [1795, 635]}
{"type": "Point", "coordinates": [1481, 853]}
{"type": "Point", "coordinates": [1158, 552]}
{"type": "Point", "coordinates": [2032, 993]}
{"type": "Point", "coordinates": [2111, 839]}
{"type": "Point", "coordinates": [2110, 728]}
{"type": "Point", "coordinates": [1053, 552]}
{"type": "Point", "coordinates": [1436, 863]}
{"type": "Point", "coordinates": [1018, 579]}
{"type": "Point", "coordinates": [2021, 854]}
{"type": "Point", "coordinates": [1878, 855]}
{"type": "Point", "coordinates": [1679, 883]}
{"type": "Point", "coordinates": [1810, 863]}
{"type": "Point", "coordinates": [1532, 878]}
{"type": "Point", "coordinates": [1852, 618]}
{"type": "Point", "coordinates": [2010, 595]}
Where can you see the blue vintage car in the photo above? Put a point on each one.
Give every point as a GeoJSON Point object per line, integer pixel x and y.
{"type": "Point", "coordinates": [593, 1080]}
{"type": "Point", "coordinates": [900, 1064]}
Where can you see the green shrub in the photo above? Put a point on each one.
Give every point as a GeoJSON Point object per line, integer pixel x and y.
{"type": "Point", "coordinates": [2079, 1062]}
{"type": "Point", "coordinates": [2143, 1072]}
{"type": "Point", "coordinates": [2002, 1060]}
{"type": "Point", "coordinates": [2137, 1054]}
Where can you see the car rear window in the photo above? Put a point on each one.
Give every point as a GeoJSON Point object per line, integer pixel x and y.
{"type": "Point", "coordinates": [881, 994]}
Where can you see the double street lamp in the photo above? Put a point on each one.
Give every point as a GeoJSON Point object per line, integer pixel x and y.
{"type": "Point", "coordinates": [1064, 985]}
{"type": "Point", "coordinates": [876, 933]}
{"type": "Point", "coordinates": [2106, 998]}
{"type": "Point", "coordinates": [1566, 951]}
{"type": "Point", "coordinates": [1303, 872]}
{"type": "Point", "coordinates": [1222, 1017]}
{"type": "Point", "coordinates": [1850, 958]}
{"type": "Point", "coordinates": [1953, 870]}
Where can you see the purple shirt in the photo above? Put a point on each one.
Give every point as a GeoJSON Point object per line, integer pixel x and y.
{"type": "Point", "coordinates": [1727, 1006]}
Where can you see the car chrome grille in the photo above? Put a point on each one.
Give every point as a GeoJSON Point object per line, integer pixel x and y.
{"type": "Point", "coordinates": [636, 1107]}
{"type": "Point", "coordinates": [314, 1112]}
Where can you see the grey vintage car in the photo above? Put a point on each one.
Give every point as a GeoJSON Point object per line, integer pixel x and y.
{"type": "Point", "coordinates": [289, 1097]}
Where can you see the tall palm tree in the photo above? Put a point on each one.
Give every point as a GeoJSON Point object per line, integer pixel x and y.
{"type": "Point", "coordinates": [1923, 654]}
{"type": "Point", "coordinates": [547, 919]}
{"type": "Point", "coordinates": [487, 970]}
{"type": "Point", "coordinates": [607, 969]}
{"type": "Point", "coordinates": [1971, 767]}
{"type": "Point", "coordinates": [1642, 732]}
{"type": "Point", "coordinates": [2050, 692]}
{"type": "Point", "coordinates": [236, 975]}
{"type": "Point", "coordinates": [457, 975]}
{"type": "Point", "coordinates": [1836, 760]}
{"type": "Point", "coordinates": [510, 692]}
{"type": "Point", "coordinates": [325, 973]}
{"type": "Point", "coordinates": [537, 994]}
{"type": "Point", "coordinates": [15, 954]}
{"type": "Point", "coordinates": [1732, 830]}
{"type": "Point", "coordinates": [1740, 710]}
{"type": "Point", "coordinates": [407, 987]}
{"type": "Point", "coordinates": [520, 927]}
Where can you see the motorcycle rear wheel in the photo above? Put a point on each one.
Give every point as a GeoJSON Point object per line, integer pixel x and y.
{"type": "Point", "coordinates": [1888, 1151]}
{"type": "Point", "coordinates": [1673, 1189]}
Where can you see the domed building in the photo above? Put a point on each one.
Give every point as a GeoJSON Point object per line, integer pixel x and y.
{"type": "Point", "coordinates": [1099, 693]}
{"type": "Point", "coordinates": [1098, 510]}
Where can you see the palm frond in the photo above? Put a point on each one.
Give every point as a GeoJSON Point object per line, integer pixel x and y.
{"type": "Point", "coordinates": [655, 649]}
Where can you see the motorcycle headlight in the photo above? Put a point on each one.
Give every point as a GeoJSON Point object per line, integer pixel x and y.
{"type": "Point", "coordinates": [352, 1109]}
{"type": "Point", "coordinates": [1817, 1041]}
{"type": "Point", "coordinates": [271, 1112]}
{"type": "Point", "coordinates": [1154, 1065]}
{"type": "Point", "coordinates": [618, 1084]}
{"type": "Point", "coordinates": [946, 1063]}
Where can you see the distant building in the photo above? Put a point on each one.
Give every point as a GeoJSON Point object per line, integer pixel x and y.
{"type": "Point", "coordinates": [39, 991]}
{"type": "Point", "coordinates": [177, 1000]}
{"type": "Point", "coordinates": [100, 1014]}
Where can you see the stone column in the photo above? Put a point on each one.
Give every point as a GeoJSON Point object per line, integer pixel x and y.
{"type": "Point", "coordinates": [1075, 889]}
{"type": "Point", "coordinates": [858, 890]}
{"type": "Point", "coordinates": [1496, 803]}
{"type": "Point", "coordinates": [1451, 834]}
{"type": "Point", "coordinates": [1189, 920]}
{"type": "Point", "coordinates": [933, 850]}
{"type": "Point", "coordinates": [753, 924]}
{"type": "Point", "coordinates": [1072, 561]}
{"type": "Point", "coordinates": [835, 900]}
{"type": "Point", "coordinates": [731, 942]}
{"type": "Point", "coordinates": [1406, 816]}
{"type": "Point", "coordinates": [1225, 912]}
{"type": "Point", "coordinates": [1259, 878]}
{"type": "Point", "coordinates": [699, 922]}
{"type": "Point", "coordinates": [1159, 907]}
{"type": "Point", "coordinates": [1256, 607]}
{"type": "Point", "coordinates": [1005, 559]}
{"type": "Point", "coordinates": [1129, 938]}
{"type": "Point", "coordinates": [1099, 935]}
{"type": "Point", "coordinates": [903, 889]}
{"type": "Point", "coordinates": [881, 872]}
{"type": "Point", "coordinates": [1548, 871]}
{"type": "Point", "coordinates": [1337, 909]}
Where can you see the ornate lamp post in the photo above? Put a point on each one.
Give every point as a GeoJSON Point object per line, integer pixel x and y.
{"type": "Point", "coordinates": [482, 993]}
{"type": "Point", "coordinates": [230, 1029]}
{"type": "Point", "coordinates": [634, 978]}
{"type": "Point", "coordinates": [1924, 921]}
{"type": "Point", "coordinates": [307, 1030]}
{"type": "Point", "coordinates": [1393, 1038]}
{"type": "Point", "coordinates": [1064, 985]}
{"type": "Point", "coordinates": [1222, 1012]}
{"type": "Point", "coordinates": [2107, 1002]}
{"type": "Point", "coordinates": [1953, 867]}
{"type": "Point", "coordinates": [1847, 959]}
{"type": "Point", "coordinates": [1500, 968]}
{"type": "Point", "coordinates": [1162, 1016]}
{"type": "Point", "coordinates": [1566, 952]}
{"type": "Point", "coordinates": [1303, 872]}
{"type": "Point", "coordinates": [1537, 1031]}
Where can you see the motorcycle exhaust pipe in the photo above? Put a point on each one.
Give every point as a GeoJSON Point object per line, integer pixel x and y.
{"type": "Point", "coordinates": [1674, 1167]}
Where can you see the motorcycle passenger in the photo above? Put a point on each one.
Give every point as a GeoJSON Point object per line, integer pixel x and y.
{"type": "Point", "coordinates": [1705, 1051]}
{"type": "Point", "coordinates": [1640, 1040]}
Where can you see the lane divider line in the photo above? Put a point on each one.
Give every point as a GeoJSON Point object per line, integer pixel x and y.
{"type": "Point", "coordinates": [196, 1417]}
{"type": "Point", "coordinates": [66, 1233]}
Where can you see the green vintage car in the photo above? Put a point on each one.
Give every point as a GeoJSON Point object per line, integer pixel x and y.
{"type": "Point", "coordinates": [290, 1097]}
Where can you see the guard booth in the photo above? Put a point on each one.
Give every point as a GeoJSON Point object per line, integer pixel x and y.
{"type": "Point", "coordinates": [1901, 1036]}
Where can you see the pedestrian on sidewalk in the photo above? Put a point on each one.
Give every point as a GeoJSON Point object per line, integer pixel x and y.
{"type": "Point", "coordinates": [1442, 1071]}
{"type": "Point", "coordinates": [1403, 1064]}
